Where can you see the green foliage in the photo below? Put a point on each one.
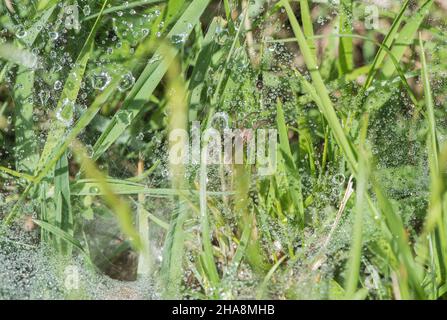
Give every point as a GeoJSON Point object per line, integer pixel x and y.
{"type": "Point", "coordinates": [356, 206]}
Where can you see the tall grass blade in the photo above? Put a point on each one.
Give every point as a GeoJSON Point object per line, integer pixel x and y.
{"type": "Point", "coordinates": [345, 55]}
{"type": "Point", "coordinates": [326, 104]}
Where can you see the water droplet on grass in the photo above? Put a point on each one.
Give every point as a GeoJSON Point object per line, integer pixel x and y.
{"type": "Point", "coordinates": [86, 10]}
{"type": "Point", "coordinates": [53, 35]}
{"type": "Point", "coordinates": [101, 81]}
{"type": "Point", "coordinates": [126, 82]}
{"type": "Point", "coordinates": [57, 85]}
{"type": "Point", "coordinates": [21, 32]}
{"type": "Point", "coordinates": [179, 38]}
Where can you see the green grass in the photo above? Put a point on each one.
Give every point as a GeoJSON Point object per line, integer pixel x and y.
{"type": "Point", "coordinates": [356, 207]}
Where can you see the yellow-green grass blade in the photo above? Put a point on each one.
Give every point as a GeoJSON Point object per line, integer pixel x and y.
{"type": "Point", "coordinates": [400, 72]}
{"type": "Point", "coordinates": [26, 151]}
{"type": "Point", "coordinates": [435, 220]}
{"type": "Point", "coordinates": [119, 206]}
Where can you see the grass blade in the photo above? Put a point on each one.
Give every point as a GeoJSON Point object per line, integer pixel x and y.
{"type": "Point", "coordinates": [346, 60]}
{"type": "Point", "coordinates": [405, 37]}
{"type": "Point", "coordinates": [149, 79]}
{"type": "Point", "coordinates": [387, 42]}
{"type": "Point", "coordinates": [353, 265]}
{"type": "Point", "coordinates": [326, 104]}
{"type": "Point", "coordinates": [307, 25]}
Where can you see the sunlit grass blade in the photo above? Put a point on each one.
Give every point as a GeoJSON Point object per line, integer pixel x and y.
{"type": "Point", "coordinates": [149, 78]}
{"type": "Point", "coordinates": [261, 292]}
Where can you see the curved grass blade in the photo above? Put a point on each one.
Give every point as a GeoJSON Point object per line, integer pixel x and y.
{"type": "Point", "coordinates": [89, 187]}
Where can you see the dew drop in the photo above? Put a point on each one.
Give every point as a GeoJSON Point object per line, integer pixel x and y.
{"type": "Point", "coordinates": [53, 35]}
{"type": "Point", "coordinates": [179, 38]}
{"type": "Point", "coordinates": [126, 82]}
{"type": "Point", "coordinates": [21, 32]}
{"type": "Point", "coordinates": [86, 10]}
{"type": "Point", "coordinates": [101, 81]}
{"type": "Point", "coordinates": [65, 112]}
{"type": "Point", "coordinates": [57, 85]}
